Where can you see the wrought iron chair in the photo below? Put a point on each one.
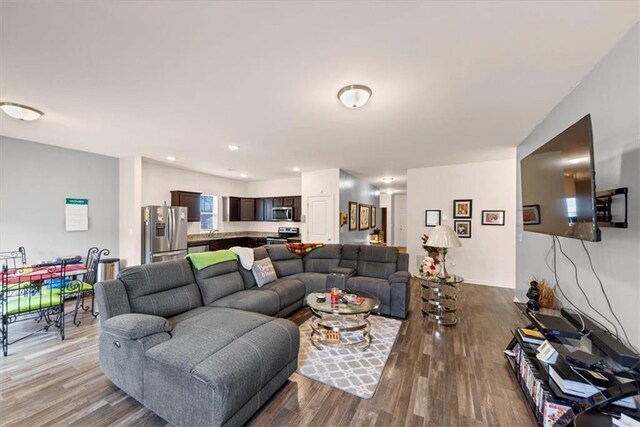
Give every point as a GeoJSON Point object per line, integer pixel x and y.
{"type": "Point", "coordinates": [25, 296]}
{"type": "Point", "coordinates": [82, 287]}
{"type": "Point", "coordinates": [13, 259]}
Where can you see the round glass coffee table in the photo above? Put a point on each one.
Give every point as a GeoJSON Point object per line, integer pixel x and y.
{"type": "Point", "coordinates": [342, 324]}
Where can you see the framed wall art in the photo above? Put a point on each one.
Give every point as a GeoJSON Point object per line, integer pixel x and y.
{"type": "Point", "coordinates": [374, 215]}
{"type": "Point", "coordinates": [531, 214]}
{"type": "Point", "coordinates": [353, 216]}
{"type": "Point", "coordinates": [462, 228]}
{"type": "Point", "coordinates": [492, 217]}
{"type": "Point", "coordinates": [431, 218]}
{"type": "Point", "coordinates": [363, 217]}
{"type": "Point", "coordinates": [462, 208]}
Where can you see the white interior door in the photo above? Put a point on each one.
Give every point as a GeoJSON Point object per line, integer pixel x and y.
{"type": "Point", "coordinates": [400, 232]}
{"type": "Point", "coordinates": [320, 227]}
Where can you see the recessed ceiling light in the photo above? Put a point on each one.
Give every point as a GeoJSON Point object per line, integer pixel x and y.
{"type": "Point", "coordinates": [387, 179]}
{"type": "Point", "coordinates": [243, 175]}
{"type": "Point", "coordinates": [389, 191]}
{"type": "Point", "coordinates": [234, 147]}
{"type": "Point", "coordinates": [20, 112]}
{"type": "Point", "coordinates": [172, 158]}
{"type": "Point", "coordinates": [354, 96]}
{"type": "Point", "coordinates": [296, 169]}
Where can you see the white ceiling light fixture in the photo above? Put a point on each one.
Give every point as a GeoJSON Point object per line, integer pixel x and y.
{"type": "Point", "coordinates": [20, 112]}
{"type": "Point", "coordinates": [389, 191]}
{"type": "Point", "coordinates": [296, 169]}
{"type": "Point", "coordinates": [388, 180]}
{"type": "Point", "coordinates": [234, 147]}
{"type": "Point", "coordinates": [172, 158]}
{"type": "Point", "coordinates": [354, 96]}
{"type": "Point", "coordinates": [243, 175]}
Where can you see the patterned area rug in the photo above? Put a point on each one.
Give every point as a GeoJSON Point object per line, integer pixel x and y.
{"type": "Point", "coordinates": [349, 369]}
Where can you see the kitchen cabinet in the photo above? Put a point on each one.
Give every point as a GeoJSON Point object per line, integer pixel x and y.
{"type": "Point", "coordinates": [190, 200]}
{"type": "Point", "coordinates": [234, 208]}
{"type": "Point", "coordinates": [263, 209]}
{"type": "Point", "coordinates": [297, 208]}
{"type": "Point", "coordinates": [242, 209]}
{"type": "Point", "coordinates": [247, 209]}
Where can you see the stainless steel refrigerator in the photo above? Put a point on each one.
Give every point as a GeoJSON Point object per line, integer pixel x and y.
{"type": "Point", "coordinates": [164, 233]}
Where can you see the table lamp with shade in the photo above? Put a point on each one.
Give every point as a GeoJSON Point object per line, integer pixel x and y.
{"type": "Point", "coordinates": [443, 238]}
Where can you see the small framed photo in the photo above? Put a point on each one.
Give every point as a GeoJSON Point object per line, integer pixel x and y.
{"type": "Point", "coordinates": [462, 208]}
{"type": "Point", "coordinates": [432, 218]}
{"type": "Point", "coordinates": [353, 216]}
{"type": "Point", "coordinates": [374, 213]}
{"type": "Point", "coordinates": [363, 217]}
{"type": "Point", "coordinates": [344, 218]}
{"type": "Point", "coordinates": [462, 228]}
{"type": "Point", "coordinates": [492, 217]}
{"type": "Point", "coordinates": [531, 214]}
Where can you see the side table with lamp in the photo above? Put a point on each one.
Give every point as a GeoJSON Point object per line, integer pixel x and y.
{"type": "Point", "coordinates": [439, 293]}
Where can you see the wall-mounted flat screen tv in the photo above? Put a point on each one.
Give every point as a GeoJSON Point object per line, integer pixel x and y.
{"type": "Point", "coordinates": [558, 185]}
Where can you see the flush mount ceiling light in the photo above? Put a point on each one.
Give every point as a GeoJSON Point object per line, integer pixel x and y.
{"type": "Point", "coordinates": [296, 169]}
{"type": "Point", "coordinates": [172, 158]}
{"type": "Point", "coordinates": [20, 112]}
{"type": "Point", "coordinates": [387, 180]}
{"type": "Point", "coordinates": [243, 175]}
{"type": "Point", "coordinates": [234, 147]}
{"type": "Point", "coordinates": [354, 96]}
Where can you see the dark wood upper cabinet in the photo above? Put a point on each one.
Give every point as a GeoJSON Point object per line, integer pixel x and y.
{"type": "Point", "coordinates": [278, 202]}
{"type": "Point", "coordinates": [234, 208]}
{"type": "Point", "coordinates": [190, 200]}
{"type": "Point", "coordinates": [247, 209]}
{"type": "Point", "coordinates": [260, 209]}
{"type": "Point", "coordinates": [297, 208]}
{"type": "Point", "coordinates": [287, 201]}
{"type": "Point", "coordinates": [268, 209]}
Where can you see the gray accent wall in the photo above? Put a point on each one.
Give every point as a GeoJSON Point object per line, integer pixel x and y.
{"type": "Point", "coordinates": [35, 180]}
{"type": "Point", "coordinates": [355, 189]}
{"type": "Point", "coordinates": [611, 94]}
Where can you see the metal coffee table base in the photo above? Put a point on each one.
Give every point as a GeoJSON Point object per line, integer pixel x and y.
{"type": "Point", "coordinates": [356, 323]}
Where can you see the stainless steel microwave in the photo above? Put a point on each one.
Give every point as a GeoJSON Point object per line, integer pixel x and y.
{"type": "Point", "coordinates": [282, 213]}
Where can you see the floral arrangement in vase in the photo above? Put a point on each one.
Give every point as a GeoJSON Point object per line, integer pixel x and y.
{"type": "Point", "coordinates": [428, 266]}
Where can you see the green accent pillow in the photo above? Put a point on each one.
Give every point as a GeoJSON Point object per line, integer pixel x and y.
{"type": "Point", "coordinates": [205, 259]}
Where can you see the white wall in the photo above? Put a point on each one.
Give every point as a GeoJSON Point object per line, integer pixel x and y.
{"type": "Point", "coordinates": [321, 183]}
{"type": "Point", "coordinates": [611, 94]}
{"type": "Point", "coordinates": [35, 180]}
{"type": "Point", "coordinates": [130, 224]}
{"type": "Point", "coordinates": [488, 257]}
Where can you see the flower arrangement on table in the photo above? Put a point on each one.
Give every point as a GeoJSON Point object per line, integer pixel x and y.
{"type": "Point", "coordinates": [430, 262]}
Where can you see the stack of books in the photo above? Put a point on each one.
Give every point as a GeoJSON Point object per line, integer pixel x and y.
{"type": "Point", "coordinates": [580, 382]}
{"type": "Point", "coordinates": [547, 408]}
{"type": "Point", "coordinates": [531, 336]}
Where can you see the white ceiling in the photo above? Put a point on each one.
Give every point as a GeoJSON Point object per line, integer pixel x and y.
{"type": "Point", "coordinates": [452, 82]}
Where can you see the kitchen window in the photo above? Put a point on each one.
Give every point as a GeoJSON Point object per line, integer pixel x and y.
{"type": "Point", "coordinates": [208, 212]}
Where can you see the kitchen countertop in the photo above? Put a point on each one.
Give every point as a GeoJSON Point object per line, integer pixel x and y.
{"type": "Point", "coordinates": [206, 237]}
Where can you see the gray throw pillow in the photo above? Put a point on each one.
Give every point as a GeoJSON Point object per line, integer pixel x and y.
{"type": "Point", "coordinates": [263, 271]}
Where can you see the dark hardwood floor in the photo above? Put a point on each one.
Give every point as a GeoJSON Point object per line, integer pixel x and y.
{"type": "Point", "coordinates": [435, 376]}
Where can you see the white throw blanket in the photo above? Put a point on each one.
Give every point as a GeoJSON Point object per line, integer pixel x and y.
{"type": "Point", "coordinates": [245, 255]}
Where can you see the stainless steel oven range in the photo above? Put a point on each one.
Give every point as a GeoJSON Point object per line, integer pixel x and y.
{"type": "Point", "coordinates": [285, 235]}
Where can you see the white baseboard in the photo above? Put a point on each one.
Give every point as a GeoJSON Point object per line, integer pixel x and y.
{"type": "Point", "coordinates": [483, 283]}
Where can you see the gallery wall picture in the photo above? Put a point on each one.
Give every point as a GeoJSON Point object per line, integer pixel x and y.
{"type": "Point", "coordinates": [353, 216]}
{"type": "Point", "coordinates": [462, 228]}
{"type": "Point", "coordinates": [492, 217]}
{"type": "Point", "coordinates": [462, 208]}
{"type": "Point", "coordinates": [363, 218]}
{"type": "Point", "coordinates": [374, 214]}
{"type": "Point", "coordinates": [531, 214]}
{"type": "Point", "coordinates": [432, 218]}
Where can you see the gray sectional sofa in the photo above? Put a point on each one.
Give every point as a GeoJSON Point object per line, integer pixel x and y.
{"type": "Point", "coordinates": [209, 347]}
